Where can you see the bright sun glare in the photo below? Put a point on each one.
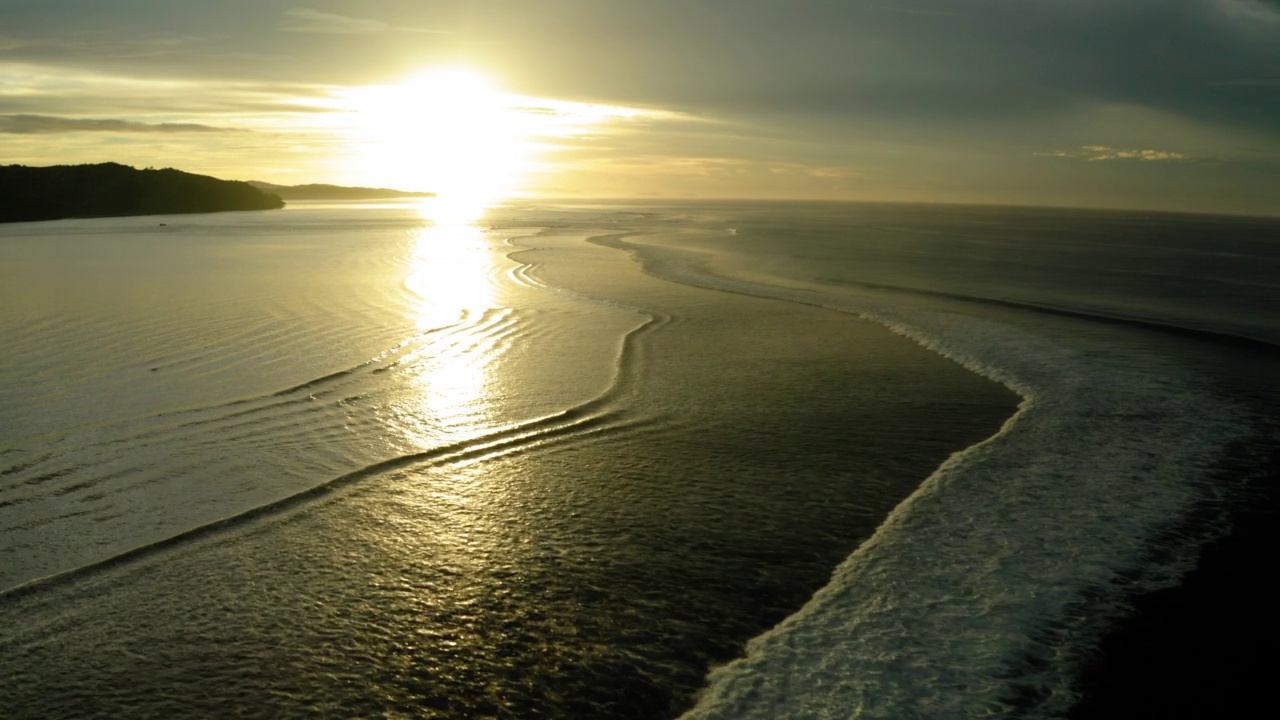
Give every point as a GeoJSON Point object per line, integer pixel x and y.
{"type": "Point", "coordinates": [453, 132]}
{"type": "Point", "coordinates": [447, 131]}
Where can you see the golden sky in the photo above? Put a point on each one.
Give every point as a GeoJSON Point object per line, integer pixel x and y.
{"type": "Point", "coordinates": [1172, 104]}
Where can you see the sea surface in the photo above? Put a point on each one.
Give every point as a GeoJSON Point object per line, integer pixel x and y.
{"type": "Point", "coordinates": [613, 460]}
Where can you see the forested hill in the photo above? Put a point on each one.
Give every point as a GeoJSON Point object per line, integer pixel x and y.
{"type": "Point", "coordinates": [111, 189]}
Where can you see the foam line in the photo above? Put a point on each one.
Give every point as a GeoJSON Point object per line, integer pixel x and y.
{"type": "Point", "coordinates": [1218, 336]}
{"type": "Point", "coordinates": [981, 592]}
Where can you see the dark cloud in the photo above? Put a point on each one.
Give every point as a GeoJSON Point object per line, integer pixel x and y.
{"type": "Point", "coordinates": [1173, 55]}
{"type": "Point", "coordinates": [980, 61]}
{"type": "Point", "coordinates": [915, 60]}
{"type": "Point", "coordinates": [215, 100]}
{"type": "Point", "coordinates": [48, 124]}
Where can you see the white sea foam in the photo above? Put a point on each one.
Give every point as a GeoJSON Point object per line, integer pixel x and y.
{"type": "Point", "coordinates": [979, 593]}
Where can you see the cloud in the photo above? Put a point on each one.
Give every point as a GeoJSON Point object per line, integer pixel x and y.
{"type": "Point", "coordinates": [313, 21]}
{"type": "Point", "coordinates": [51, 124]}
{"type": "Point", "coordinates": [1250, 11]}
{"type": "Point", "coordinates": [1248, 82]}
{"type": "Point", "coordinates": [1096, 153]}
{"type": "Point", "coordinates": [82, 47]}
{"type": "Point", "coordinates": [306, 20]}
{"type": "Point", "coordinates": [1105, 152]}
{"type": "Point", "coordinates": [828, 172]}
{"type": "Point", "coordinates": [915, 10]}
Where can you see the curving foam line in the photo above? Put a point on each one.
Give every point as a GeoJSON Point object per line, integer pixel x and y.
{"type": "Point", "coordinates": [980, 593]}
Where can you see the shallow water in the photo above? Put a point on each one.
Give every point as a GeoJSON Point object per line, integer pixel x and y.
{"type": "Point", "coordinates": [359, 464]}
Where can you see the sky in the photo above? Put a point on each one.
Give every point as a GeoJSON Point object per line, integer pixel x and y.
{"type": "Point", "coordinates": [1153, 104]}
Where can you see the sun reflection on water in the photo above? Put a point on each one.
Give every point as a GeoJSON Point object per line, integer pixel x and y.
{"type": "Point", "coordinates": [453, 275]}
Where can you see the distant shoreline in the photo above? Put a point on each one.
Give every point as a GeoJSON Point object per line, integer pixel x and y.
{"type": "Point", "coordinates": [320, 191]}
{"type": "Point", "coordinates": [63, 192]}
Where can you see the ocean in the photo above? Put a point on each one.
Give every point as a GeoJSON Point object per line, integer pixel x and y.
{"type": "Point", "coordinates": [615, 460]}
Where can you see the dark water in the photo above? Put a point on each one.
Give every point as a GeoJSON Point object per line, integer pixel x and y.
{"type": "Point", "coordinates": [439, 471]}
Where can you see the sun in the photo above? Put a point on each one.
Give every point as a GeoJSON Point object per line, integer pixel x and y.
{"type": "Point", "coordinates": [454, 132]}
{"type": "Point", "coordinates": [450, 131]}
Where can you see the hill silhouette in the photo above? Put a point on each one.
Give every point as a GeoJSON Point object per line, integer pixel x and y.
{"type": "Point", "coordinates": [111, 190]}
{"type": "Point", "coordinates": [319, 191]}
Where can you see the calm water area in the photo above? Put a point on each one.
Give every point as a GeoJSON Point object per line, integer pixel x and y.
{"type": "Point", "coordinates": [566, 459]}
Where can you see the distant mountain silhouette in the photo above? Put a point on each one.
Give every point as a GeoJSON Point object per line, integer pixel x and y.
{"type": "Point", "coordinates": [335, 192]}
{"type": "Point", "coordinates": [111, 189]}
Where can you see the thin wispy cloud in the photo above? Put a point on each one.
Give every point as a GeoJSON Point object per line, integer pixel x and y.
{"type": "Point", "coordinates": [1249, 82]}
{"type": "Point", "coordinates": [84, 50]}
{"type": "Point", "coordinates": [910, 10]}
{"type": "Point", "coordinates": [1098, 153]}
{"type": "Point", "coordinates": [52, 124]}
{"type": "Point", "coordinates": [306, 20]}
{"type": "Point", "coordinates": [1250, 11]}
